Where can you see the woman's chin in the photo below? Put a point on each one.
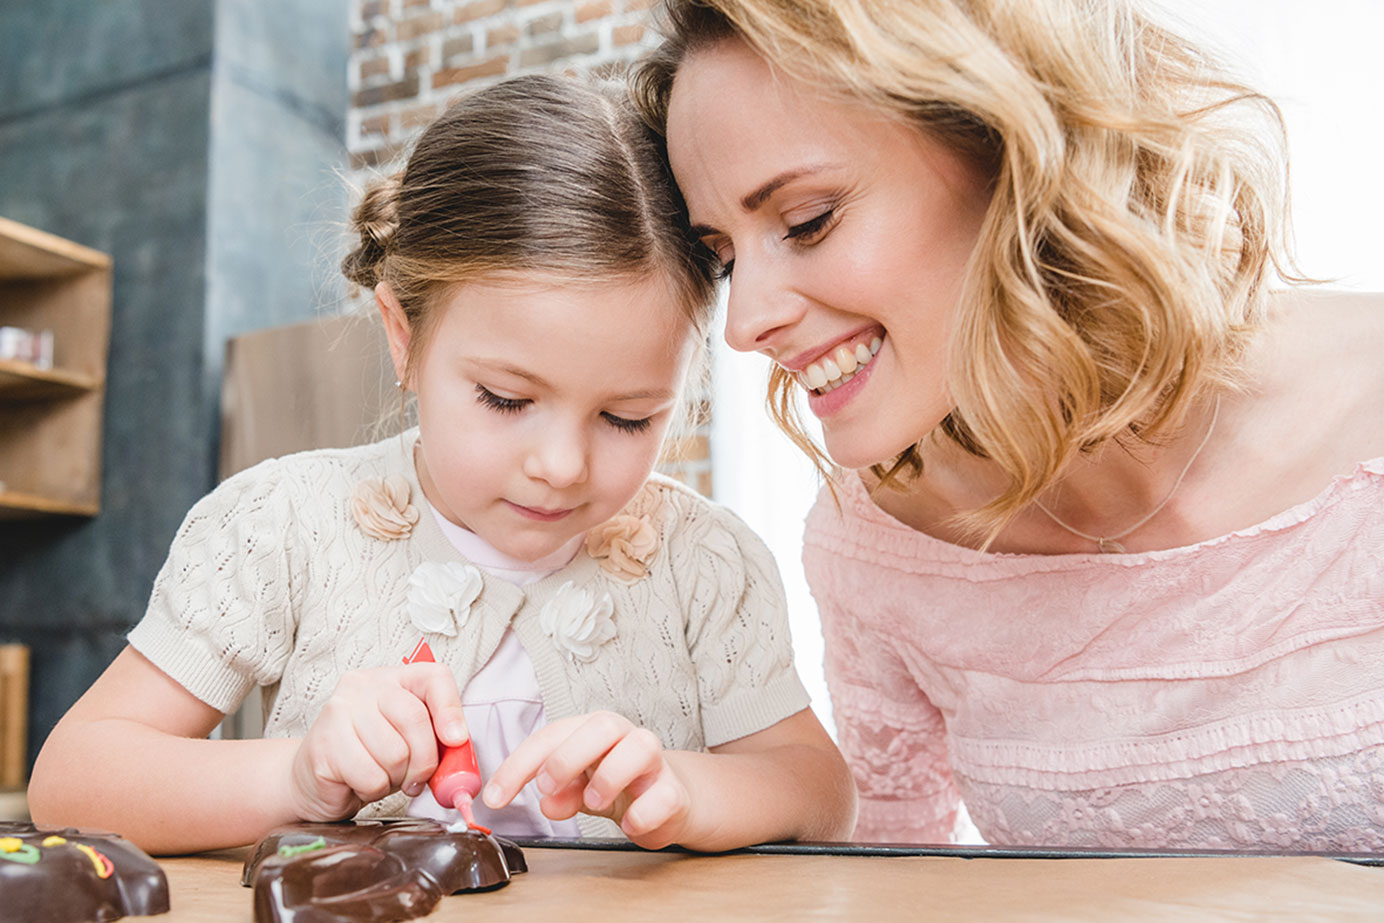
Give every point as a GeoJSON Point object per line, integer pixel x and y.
{"type": "Point", "coordinates": [854, 454]}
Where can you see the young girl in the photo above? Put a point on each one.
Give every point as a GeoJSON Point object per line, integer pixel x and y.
{"type": "Point", "coordinates": [541, 300]}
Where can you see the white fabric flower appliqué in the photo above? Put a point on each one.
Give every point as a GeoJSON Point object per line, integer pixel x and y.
{"type": "Point", "coordinates": [578, 622]}
{"type": "Point", "coordinates": [440, 596]}
{"type": "Point", "coordinates": [624, 546]}
{"type": "Point", "coordinates": [381, 508]}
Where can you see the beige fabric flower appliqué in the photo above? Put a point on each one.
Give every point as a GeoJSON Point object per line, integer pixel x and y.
{"type": "Point", "coordinates": [380, 507]}
{"type": "Point", "coordinates": [624, 546]}
{"type": "Point", "coordinates": [578, 622]}
{"type": "Point", "coordinates": [440, 596]}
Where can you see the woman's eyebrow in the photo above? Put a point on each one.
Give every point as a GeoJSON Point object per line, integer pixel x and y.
{"type": "Point", "coordinates": [761, 193]}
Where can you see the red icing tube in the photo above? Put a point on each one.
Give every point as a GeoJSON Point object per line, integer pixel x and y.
{"type": "Point", "coordinates": [457, 780]}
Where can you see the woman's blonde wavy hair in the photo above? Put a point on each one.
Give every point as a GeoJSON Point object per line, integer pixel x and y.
{"type": "Point", "coordinates": [1138, 208]}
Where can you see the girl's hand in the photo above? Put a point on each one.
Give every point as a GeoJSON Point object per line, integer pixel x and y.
{"type": "Point", "coordinates": [377, 733]}
{"type": "Point", "coordinates": [602, 764]}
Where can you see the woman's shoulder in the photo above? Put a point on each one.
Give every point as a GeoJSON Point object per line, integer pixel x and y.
{"type": "Point", "coordinates": [1318, 369]}
{"type": "Point", "coordinates": [1327, 328]}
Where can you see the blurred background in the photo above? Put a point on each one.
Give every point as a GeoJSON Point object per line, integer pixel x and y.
{"type": "Point", "coordinates": [210, 149]}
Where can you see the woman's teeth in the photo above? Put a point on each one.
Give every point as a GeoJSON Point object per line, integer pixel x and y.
{"type": "Point", "coordinates": [834, 370]}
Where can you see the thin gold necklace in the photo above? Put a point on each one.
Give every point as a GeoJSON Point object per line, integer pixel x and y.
{"type": "Point", "coordinates": [1110, 543]}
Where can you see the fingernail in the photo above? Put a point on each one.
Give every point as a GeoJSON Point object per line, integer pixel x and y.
{"type": "Point", "coordinates": [491, 795]}
{"type": "Point", "coordinates": [593, 799]}
{"type": "Point", "coordinates": [456, 732]}
{"type": "Point", "coordinates": [545, 783]}
{"type": "Point", "coordinates": [414, 789]}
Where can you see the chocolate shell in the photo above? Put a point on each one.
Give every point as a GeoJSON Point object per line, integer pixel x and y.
{"type": "Point", "coordinates": [88, 876]}
{"type": "Point", "coordinates": [376, 870]}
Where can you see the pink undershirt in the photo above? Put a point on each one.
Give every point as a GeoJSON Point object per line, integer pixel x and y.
{"type": "Point", "coordinates": [502, 701]}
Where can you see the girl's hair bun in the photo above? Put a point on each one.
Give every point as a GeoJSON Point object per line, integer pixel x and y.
{"type": "Point", "coordinates": [375, 219]}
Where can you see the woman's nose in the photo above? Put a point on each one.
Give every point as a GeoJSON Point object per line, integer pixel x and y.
{"type": "Point", "coordinates": [558, 457]}
{"type": "Point", "coordinates": [760, 308]}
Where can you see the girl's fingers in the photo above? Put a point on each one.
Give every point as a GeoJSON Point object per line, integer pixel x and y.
{"type": "Point", "coordinates": [583, 749]}
{"type": "Point", "coordinates": [435, 685]}
{"type": "Point", "coordinates": [656, 812]}
{"type": "Point", "coordinates": [360, 770]}
{"type": "Point", "coordinates": [564, 803]}
{"type": "Point", "coordinates": [638, 754]}
{"type": "Point", "coordinates": [409, 718]}
{"type": "Point", "coordinates": [524, 761]}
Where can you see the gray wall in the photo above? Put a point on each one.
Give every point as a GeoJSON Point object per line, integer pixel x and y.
{"type": "Point", "coordinates": [198, 142]}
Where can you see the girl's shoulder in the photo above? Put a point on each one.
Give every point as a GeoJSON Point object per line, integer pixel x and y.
{"type": "Point", "coordinates": [320, 468]}
{"type": "Point", "coordinates": [684, 517]}
{"type": "Point", "coordinates": [285, 487]}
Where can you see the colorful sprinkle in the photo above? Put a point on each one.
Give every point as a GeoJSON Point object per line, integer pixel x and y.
{"type": "Point", "coordinates": [104, 869]}
{"type": "Point", "coordinates": [319, 843]}
{"type": "Point", "coordinates": [16, 850]}
{"type": "Point", "coordinates": [54, 840]}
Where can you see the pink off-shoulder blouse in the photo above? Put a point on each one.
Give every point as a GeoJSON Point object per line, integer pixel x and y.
{"type": "Point", "coordinates": [1228, 694]}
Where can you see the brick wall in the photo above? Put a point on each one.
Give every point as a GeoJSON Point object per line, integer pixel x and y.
{"type": "Point", "coordinates": [409, 57]}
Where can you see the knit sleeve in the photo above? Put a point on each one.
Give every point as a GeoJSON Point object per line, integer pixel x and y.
{"type": "Point", "coordinates": [220, 619]}
{"type": "Point", "coordinates": [737, 629]}
{"type": "Point", "coordinates": [892, 736]}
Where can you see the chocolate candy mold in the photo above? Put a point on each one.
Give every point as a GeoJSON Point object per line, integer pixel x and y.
{"type": "Point", "coordinates": [66, 875]}
{"type": "Point", "coordinates": [376, 870]}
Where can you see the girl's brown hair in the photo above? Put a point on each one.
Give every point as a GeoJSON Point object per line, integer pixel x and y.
{"type": "Point", "coordinates": [1138, 206]}
{"type": "Point", "coordinates": [536, 174]}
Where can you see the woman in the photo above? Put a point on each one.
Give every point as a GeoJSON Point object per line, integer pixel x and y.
{"type": "Point", "coordinates": [1102, 556]}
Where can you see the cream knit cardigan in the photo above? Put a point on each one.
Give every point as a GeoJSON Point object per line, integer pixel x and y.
{"type": "Point", "coordinates": [270, 581]}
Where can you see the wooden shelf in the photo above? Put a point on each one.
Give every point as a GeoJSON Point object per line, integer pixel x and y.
{"type": "Point", "coordinates": [28, 253]}
{"type": "Point", "coordinates": [50, 419]}
{"type": "Point", "coordinates": [16, 505]}
{"type": "Point", "coordinates": [23, 381]}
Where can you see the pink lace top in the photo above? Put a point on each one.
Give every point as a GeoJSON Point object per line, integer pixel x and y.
{"type": "Point", "coordinates": [1228, 694]}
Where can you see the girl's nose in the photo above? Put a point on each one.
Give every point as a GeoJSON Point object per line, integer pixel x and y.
{"type": "Point", "coordinates": [760, 309]}
{"type": "Point", "coordinates": [559, 457]}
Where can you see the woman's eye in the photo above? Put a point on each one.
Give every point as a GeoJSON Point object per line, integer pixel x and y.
{"type": "Point", "coordinates": [810, 227]}
{"type": "Point", "coordinates": [725, 270]}
{"type": "Point", "coordinates": [500, 404]}
{"type": "Point", "coordinates": [626, 425]}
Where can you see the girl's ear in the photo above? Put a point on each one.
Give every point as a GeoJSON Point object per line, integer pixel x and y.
{"type": "Point", "coordinates": [396, 330]}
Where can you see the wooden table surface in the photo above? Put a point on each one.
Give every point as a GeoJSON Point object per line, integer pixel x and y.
{"type": "Point", "coordinates": [574, 884]}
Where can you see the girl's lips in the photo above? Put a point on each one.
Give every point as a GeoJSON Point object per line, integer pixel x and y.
{"type": "Point", "coordinates": [539, 515]}
{"type": "Point", "coordinates": [825, 405]}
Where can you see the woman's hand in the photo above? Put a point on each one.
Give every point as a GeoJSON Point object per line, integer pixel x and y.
{"type": "Point", "coordinates": [377, 734]}
{"type": "Point", "coordinates": [599, 763]}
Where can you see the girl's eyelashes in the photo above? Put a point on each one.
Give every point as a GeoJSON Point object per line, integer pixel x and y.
{"type": "Point", "coordinates": [811, 227]}
{"type": "Point", "coordinates": [500, 404]}
{"type": "Point", "coordinates": [515, 404]}
{"type": "Point", "coordinates": [626, 425]}
{"type": "Point", "coordinates": [725, 270]}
